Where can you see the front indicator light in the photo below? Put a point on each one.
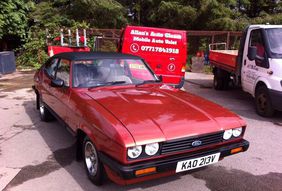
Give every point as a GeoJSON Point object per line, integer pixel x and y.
{"type": "Point", "coordinates": [145, 171]}
{"type": "Point", "coordinates": [151, 149]}
{"type": "Point", "coordinates": [134, 152]}
{"type": "Point", "coordinates": [227, 134]}
{"type": "Point", "coordinates": [237, 132]}
{"type": "Point", "coordinates": [237, 150]}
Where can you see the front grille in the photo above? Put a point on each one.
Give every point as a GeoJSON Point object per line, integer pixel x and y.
{"type": "Point", "coordinates": [185, 144]}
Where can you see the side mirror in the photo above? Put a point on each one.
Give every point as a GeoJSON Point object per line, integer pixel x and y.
{"type": "Point", "coordinates": [252, 52]}
{"type": "Point", "coordinates": [160, 77]}
{"type": "Point", "coordinates": [57, 83]}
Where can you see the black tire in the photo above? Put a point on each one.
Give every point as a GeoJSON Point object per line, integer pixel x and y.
{"type": "Point", "coordinates": [226, 80]}
{"type": "Point", "coordinates": [44, 113]}
{"type": "Point", "coordinates": [217, 82]}
{"type": "Point", "coordinates": [94, 171]}
{"type": "Point", "coordinates": [263, 102]}
{"type": "Point", "coordinates": [181, 84]}
{"type": "Point", "coordinates": [221, 79]}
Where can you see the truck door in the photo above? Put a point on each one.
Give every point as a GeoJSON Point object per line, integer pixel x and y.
{"type": "Point", "coordinates": [251, 70]}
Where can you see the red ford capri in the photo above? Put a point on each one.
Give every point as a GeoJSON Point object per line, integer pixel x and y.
{"type": "Point", "coordinates": [128, 124]}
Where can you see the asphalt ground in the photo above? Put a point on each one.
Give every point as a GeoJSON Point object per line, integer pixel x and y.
{"type": "Point", "coordinates": [41, 156]}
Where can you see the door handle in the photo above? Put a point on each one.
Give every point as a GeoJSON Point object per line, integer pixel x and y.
{"type": "Point", "coordinates": [172, 59]}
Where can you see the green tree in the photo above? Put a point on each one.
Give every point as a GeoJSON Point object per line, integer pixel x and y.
{"type": "Point", "coordinates": [254, 8]}
{"type": "Point", "coordinates": [99, 13]}
{"type": "Point", "coordinates": [50, 15]}
{"type": "Point", "coordinates": [13, 17]}
{"type": "Point", "coordinates": [172, 14]}
{"type": "Point", "coordinates": [159, 13]}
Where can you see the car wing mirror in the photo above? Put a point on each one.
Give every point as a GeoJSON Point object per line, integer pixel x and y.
{"type": "Point", "coordinates": [57, 83]}
{"type": "Point", "coordinates": [160, 78]}
{"type": "Point", "coordinates": [252, 52]}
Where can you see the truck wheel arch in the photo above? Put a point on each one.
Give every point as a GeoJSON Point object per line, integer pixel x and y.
{"type": "Point", "coordinates": [260, 82]}
{"type": "Point", "coordinates": [263, 101]}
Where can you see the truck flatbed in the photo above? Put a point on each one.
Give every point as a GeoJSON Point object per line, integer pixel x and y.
{"type": "Point", "coordinates": [225, 59]}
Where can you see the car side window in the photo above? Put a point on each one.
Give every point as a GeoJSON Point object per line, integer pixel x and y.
{"type": "Point", "coordinates": [63, 71]}
{"type": "Point", "coordinates": [256, 40]}
{"type": "Point", "coordinates": [50, 67]}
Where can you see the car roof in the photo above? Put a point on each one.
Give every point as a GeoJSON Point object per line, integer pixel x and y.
{"type": "Point", "coordinates": [93, 55]}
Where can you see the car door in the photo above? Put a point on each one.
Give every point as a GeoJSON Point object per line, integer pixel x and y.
{"type": "Point", "coordinates": [49, 73]}
{"type": "Point", "coordinates": [253, 69]}
{"type": "Point", "coordinates": [62, 94]}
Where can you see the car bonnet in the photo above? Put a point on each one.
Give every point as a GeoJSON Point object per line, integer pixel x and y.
{"type": "Point", "coordinates": [153, 114]}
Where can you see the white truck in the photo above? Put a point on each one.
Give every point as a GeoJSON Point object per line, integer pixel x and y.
{"type": "Point", "coordinates": [256, 67]}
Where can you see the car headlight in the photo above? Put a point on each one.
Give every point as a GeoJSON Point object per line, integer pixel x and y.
{"type": "Point", "coordinates": [134, 152]}
{"type": "Point", "coordinates": [237, 132]}
{"type": "Point", "coordinates": [227, 134]}
{"type": "Point", "coordinates": [152, 148]}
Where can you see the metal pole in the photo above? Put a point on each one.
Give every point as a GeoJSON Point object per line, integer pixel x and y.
{"type": "Point", "coordinates": [77, 38]}
{"type": "Point", "coordinates": [62, 37]}
{"type": "Point", "coordinates": [47, 36]}
{"type": "Point", "coordinates": [69, 32]}
{"type": "Point", "coordinates": [84, 34]}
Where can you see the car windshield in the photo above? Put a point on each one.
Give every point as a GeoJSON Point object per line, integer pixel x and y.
{"type": "Point", "coordinates": [108, 72]}
{"type": "Point", "coordinates": [275, 40]}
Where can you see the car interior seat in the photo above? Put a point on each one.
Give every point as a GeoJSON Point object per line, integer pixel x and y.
{"type": "Point", "coordinates": [81, 75]}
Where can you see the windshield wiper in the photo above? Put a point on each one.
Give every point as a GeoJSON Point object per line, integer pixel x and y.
{"type": "Point", "coordinates": [147, 82]}
{"type": "Point", "coordinates": [107, 84]}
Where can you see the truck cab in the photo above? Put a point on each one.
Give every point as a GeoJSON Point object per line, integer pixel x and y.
{"type": "Point", "coordinates": [257, 67]}
{"type": "Point", "coordinates": [262, 67]}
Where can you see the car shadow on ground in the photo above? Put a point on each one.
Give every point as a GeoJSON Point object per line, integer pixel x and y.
{"type": "Point", "coordinates": [62, 144]}
{"type": "Point", "coordinates": [233, 99]}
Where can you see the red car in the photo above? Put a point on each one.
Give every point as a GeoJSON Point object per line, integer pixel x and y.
{"type": "Point", "coordinates": [127, 123]}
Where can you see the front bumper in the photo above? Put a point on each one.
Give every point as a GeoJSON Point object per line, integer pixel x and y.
{"type": "Point", "coordinates": [127, 172]}
{"type": "Point", "coordinates": [276, 99]}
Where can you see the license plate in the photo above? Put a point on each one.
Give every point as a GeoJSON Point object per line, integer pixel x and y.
{"type": "Point", "coordinates": [197, 162]}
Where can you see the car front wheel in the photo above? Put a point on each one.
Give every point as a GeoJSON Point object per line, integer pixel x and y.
{"type": "Point", "coordinates": [92, 163]}
{"type": "Point", "coordinates": [45, 114]}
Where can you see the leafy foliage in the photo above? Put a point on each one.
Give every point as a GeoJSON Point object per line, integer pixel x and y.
{"type": "Point", "coordinates": [28, 19]}
{"type": "Point", "coordinates": [163, 13]}
{"type": "Point", "coordinates": [13, 17]}
{"type": "Point", "coordinates": [99, 13]}
{"type": "Point", "coordinates": [33, 53]}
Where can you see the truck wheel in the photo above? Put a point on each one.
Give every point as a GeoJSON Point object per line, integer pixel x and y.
{"type": "Point", "coordinates": [263, 102]}
{"type": "Point", "coordinates": [92, 163]}
{"type": "Point", "coordinates": [45, 114]}
{"type": "Point", "coordinates": [226, 80]}
{"type": "Point", "coordinates": [221, 79]}
{"type": "Point", "coordinates": [217, 83]}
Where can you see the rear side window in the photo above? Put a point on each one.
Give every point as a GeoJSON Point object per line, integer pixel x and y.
{"type": "Point", "coordinates": [63, 71]}
{"type": "Point", "coordinates": [50, 67]}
